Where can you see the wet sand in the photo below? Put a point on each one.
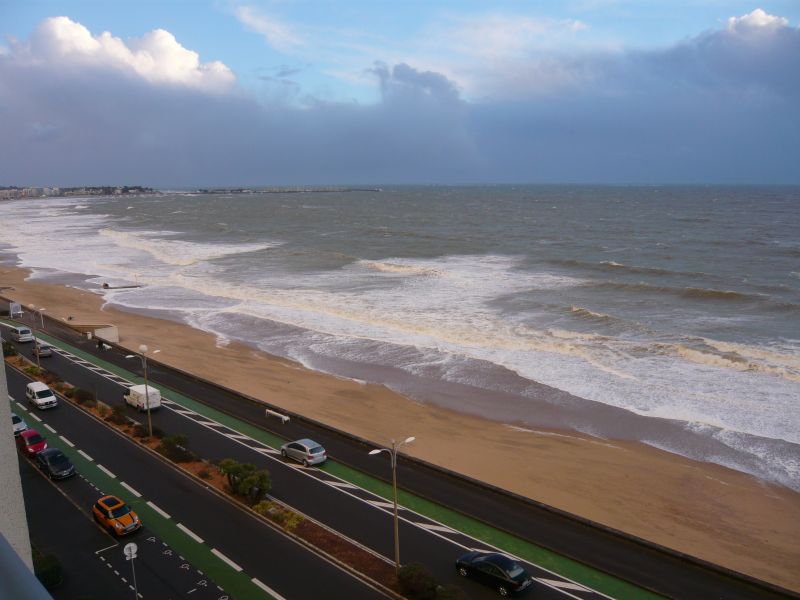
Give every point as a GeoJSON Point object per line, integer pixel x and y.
{"type": "Point", "coordinates": [717, 514]}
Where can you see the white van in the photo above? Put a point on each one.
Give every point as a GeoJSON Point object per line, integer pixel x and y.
{"type": "Point", "coordinates": [19, 333]}
{"type": "Point", "coordinates": [137, 397]}
{"type": "Point", "coordinates": [40, 395]}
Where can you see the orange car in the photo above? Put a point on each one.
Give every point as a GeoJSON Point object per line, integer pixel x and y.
{"type": "Point", "coordinates": [116, 516]}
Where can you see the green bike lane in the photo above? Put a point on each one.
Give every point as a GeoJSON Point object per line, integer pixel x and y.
{"type": "Point", "coordinates": [479, 530]}
{"type": "Point", "coordinates": [235, 583]}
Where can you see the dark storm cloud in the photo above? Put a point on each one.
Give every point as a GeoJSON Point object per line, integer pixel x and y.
{"type": "Point", "coordinates": [718, 107]}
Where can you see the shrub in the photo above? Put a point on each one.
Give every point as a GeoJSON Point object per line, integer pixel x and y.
{"type": "Point", "coordinates": [69, 393]}
{"type": "Point", "coordinates": [246, 480]}
{"type": "Point", "coordinates": [450, 592]}
{"type": "Point", "coordinates": [82, 396]}
{"type": "Point", "coordinates": [287, 519]}
{"type": "Point", "coordinates": [174, 447]}
{"type": "Point", "coordinates": [139, 431]}
{"type": "Point", "coordinates": [103, 410]}
{"type": "Point", "coordinates": [118, 415]}
{"type": "Point", "coordinates": [47, 569]}
{"type": "Point", "coordinates": [9, 349]}
{"type": "Point", "coordinates": [33, 371]}
{"type": "Point", "coordinates": [50, 378]}
{"type": "Point", "coordinates": [158, 433]}
{"type": "Point", "coordinates": [416, 582]}
{"type": "Point", "coordinates": [204, 473]}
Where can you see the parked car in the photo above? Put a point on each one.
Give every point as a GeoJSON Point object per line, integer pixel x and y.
{"type": "Point", "coordinates": [496, 570]}
{"type": "Point", "coordinates": [115, 516]}
{"type": "Point", "coordinates": [18, 424]}
{"type": "Point", "coordinates": [42, 349]}
{"type": "Point", "coordinates": [305, 451]}
{"type": "Point", "coordinates": [30, 442]}
{"type": "Point", "coordinates": [21, 334]}
{"type": "Point", "coordinates": [40, 395]}
{"type": "Point", "coordinates": [55, 463]}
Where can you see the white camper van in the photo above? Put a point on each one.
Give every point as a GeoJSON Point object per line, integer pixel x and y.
{"type": "Point", "coordinates": [20, 333]}
{"type": "Point", "coordinates": [137, 397]}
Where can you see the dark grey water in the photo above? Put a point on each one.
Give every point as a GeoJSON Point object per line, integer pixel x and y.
{"type": "Point", "coordinates": [674, 312]}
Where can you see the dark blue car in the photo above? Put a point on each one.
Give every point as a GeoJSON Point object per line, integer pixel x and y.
{"type": "Point", "coordinates": [496, 570]}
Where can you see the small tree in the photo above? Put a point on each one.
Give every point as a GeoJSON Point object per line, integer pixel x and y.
{"type": "Point", "coordinates": [175, 448]}
{"type": "Point", "coordinates": [118, 415]}
{"type": "Point", "coordinates": [245, 479]}
{"type": "Point", "coordinates": [9, 349]}
{"type": "Point", "coordinates": [416, 582]}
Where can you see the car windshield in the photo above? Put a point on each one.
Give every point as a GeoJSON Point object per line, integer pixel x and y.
{"type": "Point", "coordinates": [120, 511]}
{"type": "Point", "coordinates": [15, 419]}
{"type": "Point", "coordinates": [515, 571]}
{"type": "Point", "coordinates": [44, 394]}
{"type": "Point", "coordinates": [33, 439]}
{"type": "Point", "coordinates": [59, 461]}
{"type": "Point", "coordinates": [317, 450]}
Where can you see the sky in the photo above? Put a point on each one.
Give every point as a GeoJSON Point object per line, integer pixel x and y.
{"type": "Point", "coordinates": [176, 94]}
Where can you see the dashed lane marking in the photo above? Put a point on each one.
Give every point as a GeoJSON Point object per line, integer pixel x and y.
{"type": "Point", "coordinates": [130, 489]}
{"type": "Point", "coordinates": [86, 456]}
{"type": "Point", "coordinates": [267, 589]}
{"type": "Point", "coordinates": [190, 533]}
{"type": "Point", "coordinates": [33, 416]}
{"type": "Point", "coordinates": [46, 426]}
{"type": "Point", "coordinates": [225, 559]}
{"type": "Point", "coordinates": [158, 510]}
{"type": "Point", "coordinates": [66, 441]}
{"type": "Point", "coordinates": [106, 471]}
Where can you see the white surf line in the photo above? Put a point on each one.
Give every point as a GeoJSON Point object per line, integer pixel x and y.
{"type": "Point", "coordinates": [86, 456]}
{"type": "Point", "coordinates": [267, 589]}
{"type": "Point", "coordinates": [66, 441]}
{"type": "Point", "coordinates": [190, 533]}
{"type": "Point", "coordinates": [225, 559]}
{"type": "Point", "coordinates": [130, 489]}
{"type": "Point", "coordinates": [46, 426]}
{"type": "Point", "coordinates": [158, 510]}
{"type": "Point", "coordinates": [106, 471]}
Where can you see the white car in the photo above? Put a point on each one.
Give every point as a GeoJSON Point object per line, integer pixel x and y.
{"type": "Point", "coordinates": [40, 395]}
{"type": "Point", "coordinates": [305, 451]}
{"type": "Point", "coordinates": [18, 424]}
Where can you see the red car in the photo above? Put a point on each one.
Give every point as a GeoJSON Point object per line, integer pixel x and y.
{"type": "Point", "coordinates": [30, 442]}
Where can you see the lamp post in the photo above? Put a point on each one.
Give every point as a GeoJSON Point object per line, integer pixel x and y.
{"type": "Point", "coordinates": [143, 355]}
{"type": "Point", "coordinates": [392, 452]}
{"type": "Point", "coordinates": [33, 327]}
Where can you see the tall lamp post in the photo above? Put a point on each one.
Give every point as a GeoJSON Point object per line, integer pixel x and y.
{"type": "Point", "coordinates": [143, 355]}
{"type": "Point", "coordinates": [35, 310]}
{"type": "Point", "coordinates": [392, 452]}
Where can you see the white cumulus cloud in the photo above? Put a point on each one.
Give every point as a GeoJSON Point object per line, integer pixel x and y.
{"type": "Point", "coordinates": [758, 19]}
{"type": "Point", "coordinates": [157, 57]}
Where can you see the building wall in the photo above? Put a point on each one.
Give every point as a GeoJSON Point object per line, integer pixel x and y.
{"type": "Point", "coordinates": [13, 523]}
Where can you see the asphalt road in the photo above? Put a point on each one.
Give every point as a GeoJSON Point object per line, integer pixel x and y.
{"type": "Point", "coordinates": [655, 570]}
{"type": "Point", "coordinates": [288, 568]}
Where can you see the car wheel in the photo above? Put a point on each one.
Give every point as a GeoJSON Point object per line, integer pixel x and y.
{"type": "Point", "coordinates": [462, 571]}
{"type": "Point", "coordinates": [283, 453]}
{"type": "Point", "coordinates": [305, 462]}
{"type": "Point", "coordinates": [503, 591]}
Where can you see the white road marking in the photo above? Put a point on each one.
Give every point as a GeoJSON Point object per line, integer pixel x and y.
{"type": "Point", "coordinates": [20, 405]}
{"type": "Point", "coordinates": [106, 471]}
{"type": "Point", "coordinates": [431, 527]}
{"type": "Point", "coordinates": [130, 489]}
{"type": "Point", "coordinates": [225, 559]}
{"type": "Point", "coordinates": [211, 424]}
{"type": "Point", "coordinates": [158, 510]}
{"type": "Point", "coordinates": [66, 441]}
{"type": "Point", "coordinates": [341, 484]}
{"type": "Point", "coordinates": [190, 533]}
{"type": "Point", "coordinates": [267, 589]}
{"type": "Point", "coordinates": [266, 450]}
{"type": "Point", "coordinates": [380, 504]}
{"type": "Point", "coordinates": [33, 416]}
{"type": "Point", "coordinates": [237, 436]}
{"type": "Point", "coordinates": [568, 585]}
{"type": "Point", "coordinates": [46, 426]}
{"type": "Point", "coordinates": [84, 455]}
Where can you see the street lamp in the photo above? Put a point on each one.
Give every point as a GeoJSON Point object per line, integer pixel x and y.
{"type": "Point", "coordinates": [392, 452]}
{"type": "Point", "coordinates": [35, 310]}
{"type": "Point", "coordinates": [143, 355]}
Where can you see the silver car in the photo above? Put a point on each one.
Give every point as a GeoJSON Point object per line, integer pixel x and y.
{"type": "Point", "coordinates": [42, 348]}
{"type": "Point", "coordinates": [18, 424]}
{"type": "Point", "coordinates": [305, 451]}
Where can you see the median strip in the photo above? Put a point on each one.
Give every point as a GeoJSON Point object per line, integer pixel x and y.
{"type": "Point", "coordinates": [190, 533]}
{"type": "Point", "coordinates": [225, 559]}
{"type": "Point", "coordinates": [158, 510]}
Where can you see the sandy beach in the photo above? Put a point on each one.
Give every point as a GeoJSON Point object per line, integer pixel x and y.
{"type": "Point", "coordinates": [705, 510]}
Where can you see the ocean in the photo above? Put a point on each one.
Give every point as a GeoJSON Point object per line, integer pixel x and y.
{"type": "Point", "coordinates": [668, 315]}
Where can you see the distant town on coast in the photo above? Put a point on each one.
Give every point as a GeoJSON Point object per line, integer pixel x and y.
{"type": "Point", "coordinates": [13, 192]}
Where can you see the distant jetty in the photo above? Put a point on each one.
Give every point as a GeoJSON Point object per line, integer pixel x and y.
{"type": "Point", "coordinates": [285, 190]}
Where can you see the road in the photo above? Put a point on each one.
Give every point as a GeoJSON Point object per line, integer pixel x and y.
{"type": "Point", "coordinates": [252, 546]}
{"type": "Point", "coordinates": [655, 570]}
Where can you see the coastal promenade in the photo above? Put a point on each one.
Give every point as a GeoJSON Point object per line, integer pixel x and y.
{"type": "Point", "coordinates": [650, 567]}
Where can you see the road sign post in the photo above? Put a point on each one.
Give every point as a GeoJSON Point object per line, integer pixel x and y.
{"type": "Point", "coordinates": [130, 553]}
